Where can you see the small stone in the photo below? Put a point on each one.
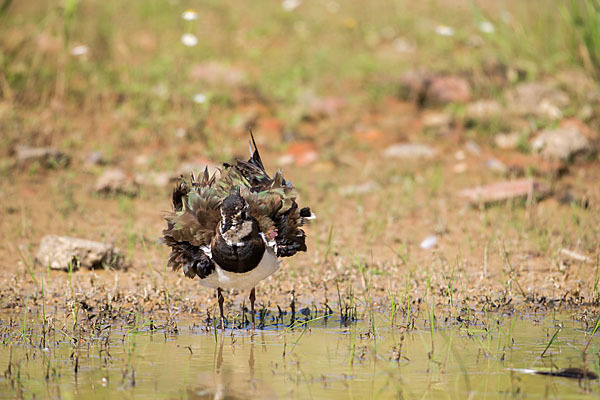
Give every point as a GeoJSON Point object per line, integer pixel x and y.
{"type": "Point", "coordinates": [448, 89]}
{"type": "Point", "coordinates": [564, 144]}
{"type": "Point", "coordinates": [60, 252]}
{"type": "Point", "coordinates": [496, 165]}
{"type": "Point", "coordinates": [424, 87]}
{"type": "Point", "coordinates": [48, 157]}
{"type": "Point", "coordinates": [507, 141]}
{"type": "Point", "coordinates": [483, 110]}
{"type": "Point", "coordinates": [413, 85]}
{"type": "Point", "coordinates": [473, 148]}
{"type": "Point", "coordinates": [95, 158]}
{"type": "Point", "coordinates": [436, 119]}
{"type": "Point", "coordinates": [409, 150]}
{"type": "Point", "coordinates": [180, 133]}
{"type": "Point", "coordinates": [574, 255]}
{"type": "Point", "coordinates": [539, 99]}
{"type": "Point", "coordinates": [429, 242]}
{"type": "Point", "coordinates": [116, 181]}
{"type": "Point", "coordinates": [501, 191]}
{"type": "Point", "coordinates": [444, 30]}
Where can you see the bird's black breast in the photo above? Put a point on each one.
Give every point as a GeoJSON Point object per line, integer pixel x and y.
{"type": "Point", "coordinates": [238, 258]}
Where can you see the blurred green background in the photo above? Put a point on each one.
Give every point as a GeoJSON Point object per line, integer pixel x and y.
{"type": "Point", "coordinates": [133, 50]}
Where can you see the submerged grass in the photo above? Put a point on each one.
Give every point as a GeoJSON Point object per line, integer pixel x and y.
{"type": "Point", "coordinates": [366, 357]}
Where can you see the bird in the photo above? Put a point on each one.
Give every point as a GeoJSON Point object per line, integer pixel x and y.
{"type": "Point", "coordinates": [230, 229]}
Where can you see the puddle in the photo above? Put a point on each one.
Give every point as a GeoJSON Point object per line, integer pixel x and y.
{"type": "Point", "coordinates": [320, 360]}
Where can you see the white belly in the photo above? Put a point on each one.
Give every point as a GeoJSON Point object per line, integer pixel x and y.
{"type": "Point", "coordinates": [220, 278]}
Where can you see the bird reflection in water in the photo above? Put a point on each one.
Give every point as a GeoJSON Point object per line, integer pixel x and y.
{"type": "Point", "coordinates": [225, 384]}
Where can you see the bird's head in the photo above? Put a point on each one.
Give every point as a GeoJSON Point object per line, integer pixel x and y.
{"type": "Point", "coordinates": [234, 213]}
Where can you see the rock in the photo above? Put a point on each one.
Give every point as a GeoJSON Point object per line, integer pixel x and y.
{"type": "Point", "coordinates": [413, 85]}
{"type": "Point", "coordinates": [564, 144]}
{"type": "Point", "coordinates": [95, 158]}
{"type": "Point", "coordinates": [507, 141]}
{"type": "Point", "coordinates": [58, 252]}
{"type": "Point", "coordinates": [429, 242]}
{"type": "Point", "coordinates": [436, 120]}
{"type": "Point", "coordinates": [424, 87]}
{"type": "Point", "coordinates": [473, 148]}
{"type": "Point", "coordinates": [576, 256]}
{"type": "Point", "coordinates": [48, 157]}
{"type": "Point", "coordinates": [180, 133]}
{"type": "Point", "coordinates": [116, 181]}
{"type": "Point", "coordinates": [483, 110]}
{"type": "Point", "coordinates": [574, 123]}
{"type": "Point", "coordinates": [538, 99]}
{"type": "Point", "coordinates": [496, 165]}
{"type": "Point", "coordinates": [448, 89]}
{"type": "Point", "coordinates": [516, 189]}
{"type": "Point", "coordinates": [409, 150]}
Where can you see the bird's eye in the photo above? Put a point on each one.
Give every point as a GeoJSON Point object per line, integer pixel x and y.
{"type": "Point", "coordinates": [244, 214]}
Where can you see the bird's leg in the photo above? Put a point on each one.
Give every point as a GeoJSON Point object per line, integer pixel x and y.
{"type": "Point", "coordinates": [221, 300]}
{"type": "Point", "coordinates": [252, 298]}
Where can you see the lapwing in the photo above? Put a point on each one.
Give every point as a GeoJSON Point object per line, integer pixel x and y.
{"type": "Point", "coordinates": [231, 229]}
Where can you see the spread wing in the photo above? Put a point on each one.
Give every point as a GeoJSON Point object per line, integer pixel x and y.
{"type": "Point", "coordinates": [272, 202]}
{"type": "Point", "coordinates": [195, 211]}
{"type": "Point", "coordinates": [192, 225]}
{"type": "Point", "coordinates": [193, 222]}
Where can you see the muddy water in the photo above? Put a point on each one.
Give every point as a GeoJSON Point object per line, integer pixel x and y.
{"type": "Point", "coordinates": [321, 359]}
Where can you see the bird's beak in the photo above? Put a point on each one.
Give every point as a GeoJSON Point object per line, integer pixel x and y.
{"type": "Point", "coordinates": [225, 227]}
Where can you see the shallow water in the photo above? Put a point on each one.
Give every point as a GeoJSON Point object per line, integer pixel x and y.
{"type": "Point", "coordinates": [322, 359]}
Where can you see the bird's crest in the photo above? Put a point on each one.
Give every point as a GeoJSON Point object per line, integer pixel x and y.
{"type": "Point", "coordinates": [272, 202]}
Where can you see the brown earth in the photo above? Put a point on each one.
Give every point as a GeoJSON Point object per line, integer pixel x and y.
{"type": "Point", "coordinates": [373, 211]}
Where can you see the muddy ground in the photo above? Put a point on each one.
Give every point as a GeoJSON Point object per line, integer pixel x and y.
{"type": "Point", "coordinates": [376, 202]}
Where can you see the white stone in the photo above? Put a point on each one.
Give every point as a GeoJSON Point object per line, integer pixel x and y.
{"type": "Point", "coordinates": [562, 144]}
{"type": "Point", "coordinates": [60, 252]}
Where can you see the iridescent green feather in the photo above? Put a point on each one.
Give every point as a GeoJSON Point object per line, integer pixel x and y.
{"type": "Point", "coordinates": [197, 221]}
